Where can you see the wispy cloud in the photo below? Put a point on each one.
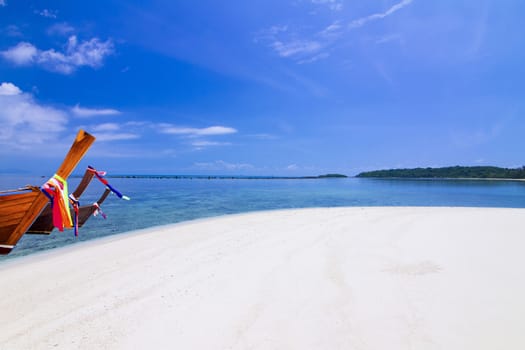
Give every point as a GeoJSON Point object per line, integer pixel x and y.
{"type": "Point", "coordinates": [3, 3]}
{"type": "Point", "coordinates": [334, 5]}
{"type": "Point", "coordinates": [63, 29]}
{"type": "Point", "coordinates": [332, 30]}
{"type": "Point", "coordinates": [209, 131]}
{"type": "Point", "coordinates": [89, 112]}
{"type": "Point", "coordinates": [475, 137]}
{"type": "Point", "coordinates": [311, 85]}
{"type": "Point", "coordinates": [295, 47]}
{"type": "Point", "coordinates": [25, 123]}
{"type": "Point", "coordinates": [113, 132]}
{"type": "Point", "coordinates": [12, 31]}
{"type": "Point", "coordinates": [106, 127]}
{"type": "Point", "coordinates": [311, 47]}
{"type": "Point", "coordinates": [273, 30]}
{"type": "Point", "coordinates": [199, 137]}
{"type": "Point", "coordinates": [222, 165]}
{"type": "Point", "coordinates": [47, 13]}
{"type": "Point", "coordinates": [116, 136]}
{"type": "Point", "coordinates": [389, 38]}
{"type": "Point", "coordinates": [315, 58]}
{"type": "Point", "coordinates": [286, 43]}
{"type": "Point", "coordinates": [209, 143]}
{"type": "Point", "coordinates": [262, 136]}
{"type": "Point", "coordinates": [383, 71]}
{"type": "Point", "coordinates": [201, 144]}
{"type": "Point", "coordinates": [479, 28]}
{"type": "Point", "coordinates": [376, 16]}
{"type": "Point", "coordinates": [300, 48]}
{"type": "Point", "coordinates": [89, 53]}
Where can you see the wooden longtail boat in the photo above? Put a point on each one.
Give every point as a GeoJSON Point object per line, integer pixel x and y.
{"type": "Point", "coordinates": [43, 225]}
{"type": "Point", "coordinates": [44, 222]}
{"type": "Point", "coordinates": [20, 208]}
{"type": "Point", "coordinates": [87, 211]}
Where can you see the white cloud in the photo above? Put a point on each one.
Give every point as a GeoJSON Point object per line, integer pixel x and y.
{"type": "Point", "coordinates": [47, 13]}
{"type": "Point", "coordinates": [89, 53]}
{"type": "Point", "coordinates": [22, 54]}
{"type": "Point", "coordinates": [140, 124]}
{"type": "Point", "coordinates": [115, 136]}
{"type": "Point", "coordinates": [106, 127]}
{"type": "Point", "coordinates": [9, 89]}
{"type": "Point", "coordinates": [202, 144]}
{"type": "Point", "coordinates": [25, 123]}
{"type": "Point", "coordinates": [89, 112]}
{"type": "Point", "coordinates": [60, 29]}
{"type": "Point", "coordinates": [209, 131]}
{"type": "Point", "coordinates": [3, 3]}
{"type": "Point", "coordinates": [363, 20]}
{"type": "Point", "coordinates": [196, 134]}
{"type": "Point", "coordinates": [334, 5]}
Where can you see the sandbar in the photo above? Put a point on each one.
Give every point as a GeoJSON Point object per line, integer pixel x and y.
{"type": "Point", "coordinates": [323, 278]}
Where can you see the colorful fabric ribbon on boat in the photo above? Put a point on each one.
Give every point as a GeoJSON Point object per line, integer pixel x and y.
{"type": "Point", "coordinates": [56, 190]}
{"type": "Point", "coordinates": [76, 209]}
{"type": "Point", "coordinates": [98, 210]}
{"type": "Point", "coordinates": [100, 176]}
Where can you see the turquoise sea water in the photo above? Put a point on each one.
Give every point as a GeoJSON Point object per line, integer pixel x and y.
{"type": "Point", "coordinates": [159, 201]}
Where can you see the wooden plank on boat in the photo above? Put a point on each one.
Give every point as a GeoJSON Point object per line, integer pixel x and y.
{"type": "Point", "coordinates": [14, 218]}
{"type": "Point", "coordinates": [6, 232]}
{"type": "Point", "coordinates": [17, 196]}
{"type": "Point", "coordinates": [13, 205]}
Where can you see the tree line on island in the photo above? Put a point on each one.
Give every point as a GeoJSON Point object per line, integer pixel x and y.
{"type": "Point", "coordinates": [454, 172]}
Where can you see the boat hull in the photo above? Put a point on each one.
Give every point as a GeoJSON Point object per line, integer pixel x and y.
{"type": "Point", "coordinates": [43, 225]}
{"type": "Point", "coordinates": [18, 211]}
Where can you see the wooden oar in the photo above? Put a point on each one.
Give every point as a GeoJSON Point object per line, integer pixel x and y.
{"type": "Point", "coordinates": [82, 143]}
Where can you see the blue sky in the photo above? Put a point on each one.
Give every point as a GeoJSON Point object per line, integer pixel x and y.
{"type": "Point", "coordinates": [299, 87]}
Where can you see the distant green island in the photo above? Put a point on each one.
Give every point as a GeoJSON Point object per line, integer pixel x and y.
{"type": "Point", "coordinates": [330, 176]}
{"type": "Point", "coordinates": [453, 172]}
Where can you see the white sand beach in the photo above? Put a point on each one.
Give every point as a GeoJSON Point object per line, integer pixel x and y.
{"type": "Point", "coordinates": [339, 278]}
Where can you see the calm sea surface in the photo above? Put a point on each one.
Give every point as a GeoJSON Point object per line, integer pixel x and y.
{"type": "Point", "coordinates": [158, 201]}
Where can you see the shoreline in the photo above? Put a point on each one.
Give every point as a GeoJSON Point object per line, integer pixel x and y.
{"type": "Point", "coordinates": [369, 277]}
{"type": "Point", "coordinates": [163, 227]}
